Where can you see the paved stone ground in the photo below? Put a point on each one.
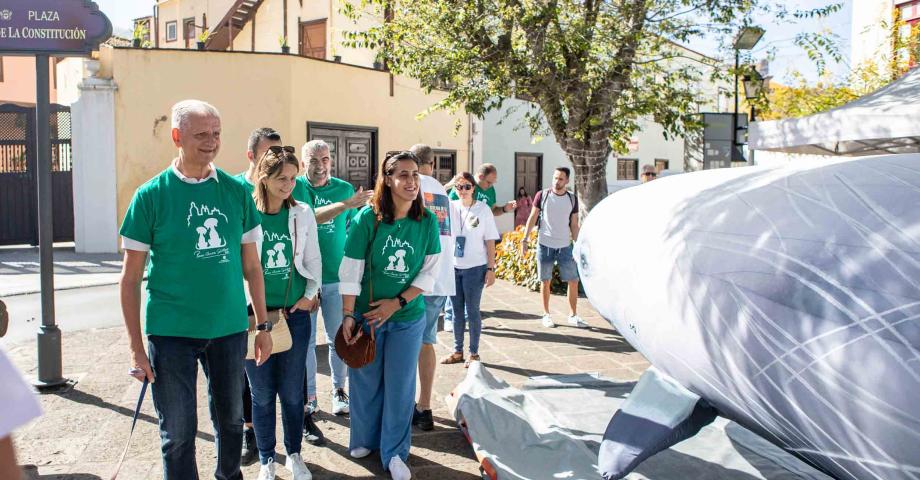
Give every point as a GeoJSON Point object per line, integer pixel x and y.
{"type": "Point", "coordinates": [82, 432]}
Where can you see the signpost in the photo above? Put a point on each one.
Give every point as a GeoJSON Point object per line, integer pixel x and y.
{"type": "Point", "coordinates": [46, 28]}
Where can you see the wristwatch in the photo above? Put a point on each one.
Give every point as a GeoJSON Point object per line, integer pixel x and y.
{"type": "Point", "coordinates": [402, 300]}
{"type": "Point", "coordinates": [490, 269]}
{"type": "Point", "coordinates": [264, 326]}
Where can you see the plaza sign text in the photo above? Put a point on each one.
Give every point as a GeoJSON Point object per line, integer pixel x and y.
{"type": "Point", "coordinates": [55, 27]}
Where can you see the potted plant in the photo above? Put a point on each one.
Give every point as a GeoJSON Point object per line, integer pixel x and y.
{"type": "Point", "coordinates": [282, 40]}
{"type": "Point", "coordinates": [140, 30]}
{"type": "Point", "coordinates": [203, 37]}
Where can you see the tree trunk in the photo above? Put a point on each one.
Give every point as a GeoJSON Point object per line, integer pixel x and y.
{"type": "Point", "coordinates": [590, 176]}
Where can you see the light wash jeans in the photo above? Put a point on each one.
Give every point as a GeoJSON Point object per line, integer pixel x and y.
{"type": "Point", "coordinates": [331, 305]}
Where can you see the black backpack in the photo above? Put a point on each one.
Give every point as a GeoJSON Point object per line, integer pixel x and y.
{"type": "Point", "coordinates": [544, 196]}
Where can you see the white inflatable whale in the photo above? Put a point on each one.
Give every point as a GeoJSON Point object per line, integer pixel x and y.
{"type": "Point", "coordinates": [787, 299]}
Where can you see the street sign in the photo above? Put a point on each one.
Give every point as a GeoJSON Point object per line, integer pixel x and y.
{"type": "Point", "coordinates": [51, 27]}
{"type": "Point", "coordinates": [46, 28]}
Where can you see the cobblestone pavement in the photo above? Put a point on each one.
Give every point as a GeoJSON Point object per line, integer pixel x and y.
{"type": "Point", "coordinates": [83, 431]}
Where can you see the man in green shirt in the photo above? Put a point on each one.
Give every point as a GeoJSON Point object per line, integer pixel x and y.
{"type": "Point", "coordinates": [200, 227]}
{"type": "Point", "coordinates": [486, 177]}
{"type": "Point", "coordinates": [335, 202]}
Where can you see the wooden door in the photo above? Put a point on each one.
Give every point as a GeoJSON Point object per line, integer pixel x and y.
{"type": "Point", "coordinates": [528, 168]}
{"type": "Point", "coordinates": [351, 152]}
{"type": "Point", "coordinates": [313, 39]}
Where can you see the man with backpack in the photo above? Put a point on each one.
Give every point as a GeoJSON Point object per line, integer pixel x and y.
{"type": "Point", "coordinates": [555, 213]}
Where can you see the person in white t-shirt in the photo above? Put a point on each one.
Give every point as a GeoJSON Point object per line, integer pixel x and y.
{"type": "Point", "coordinates": [475, 233]}
{"type": "Point", "coordinates": [19, 406]}
{"type": "Point", "coordinates": [436, 200]}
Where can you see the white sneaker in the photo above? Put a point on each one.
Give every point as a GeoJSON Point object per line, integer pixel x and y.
{"type": "Point", "coordinates": [359, 452]}
{"type": "Point", "coordinates": [339, 402]}
{"type": "Point", "coordinates": [448, 326]}
{"type": "Point", "coordinates": [577, 322]}
{"type": "Point", "coordinates": [298, 468]}
{"type": "Point", "coordinates": [399, 470]}
{"type": "Point", "coordinates": [267, 470]}
{"type": "Point", "coordinates": [548, 321]}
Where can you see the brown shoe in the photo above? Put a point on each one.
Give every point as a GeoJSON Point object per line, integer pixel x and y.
{"type": "Point", "coordinates": [473, 358]}
{"type": "Point", "coordinates": [453, 358]}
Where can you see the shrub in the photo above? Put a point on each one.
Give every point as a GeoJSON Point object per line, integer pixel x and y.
{"type": "Point", "coordinates": [511, 266]}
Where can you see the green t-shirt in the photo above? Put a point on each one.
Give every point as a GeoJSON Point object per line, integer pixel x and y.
{"type": "Point", "coordinates": [277, 261]}
{"type": "Point", "coordinates": [397, 256]}
{"type": "Point", "coordinates": [195, 276]}
{"type": "Point", "coordinates": [300, 193]}
{"type": "Point", "coordinates": [241, 177]}
{"type": "Point", "coordinates": [332, 233]}
{"type": "Point", "coordinates": [480, 195]}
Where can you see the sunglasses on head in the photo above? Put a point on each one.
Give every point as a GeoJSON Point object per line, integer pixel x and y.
{"type": "Point", "coordinates": [466, 186]}
{"type": "Point", "coordinates": [277, 149]}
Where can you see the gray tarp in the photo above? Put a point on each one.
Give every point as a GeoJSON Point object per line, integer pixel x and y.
{"type": "Point", "coordinates": [551, 429]}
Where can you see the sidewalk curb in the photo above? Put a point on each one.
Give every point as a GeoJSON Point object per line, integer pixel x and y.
{"type": "Point", "coordinates": [33, 290]}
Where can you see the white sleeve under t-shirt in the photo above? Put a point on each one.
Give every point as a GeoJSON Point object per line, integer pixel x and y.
{"type": "Point", "coordinates": [18, 402]}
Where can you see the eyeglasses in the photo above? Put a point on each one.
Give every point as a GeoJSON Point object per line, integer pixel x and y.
{"type": "Point", "coordinates": [465, 186]}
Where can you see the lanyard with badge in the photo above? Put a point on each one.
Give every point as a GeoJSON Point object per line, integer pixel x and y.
{"type": "Point", "coordinates": [460, 245]}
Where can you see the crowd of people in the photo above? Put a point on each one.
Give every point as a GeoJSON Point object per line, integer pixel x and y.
{"type": "Point", "coordinates": [233, 261]}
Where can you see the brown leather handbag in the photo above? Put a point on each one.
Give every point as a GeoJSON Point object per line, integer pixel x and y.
{"type": "Point", "coordinates": [363, 351]}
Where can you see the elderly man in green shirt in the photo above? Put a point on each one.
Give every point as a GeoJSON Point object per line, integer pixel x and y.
{"type": "Point", "coordinates": [199, 226]}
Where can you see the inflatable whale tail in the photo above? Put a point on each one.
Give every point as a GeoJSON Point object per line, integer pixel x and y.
{"type": "Point", "coordinates": [659, 413]}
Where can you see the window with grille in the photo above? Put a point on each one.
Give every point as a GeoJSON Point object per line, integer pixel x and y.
{"type": "Point", "coordinates": [661, 164]}
{"type": "Point", "coordinates": [445, 165]}
{"type": "Point", "coordinates": [171, 31]}
{"type": "Point", "coordinates": [627, 169]}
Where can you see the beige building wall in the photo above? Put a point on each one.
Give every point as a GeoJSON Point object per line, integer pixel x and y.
{"type": "Point", "coordinates": [18, 83]}
{"type": "Point", "coordinates": [269, 26]}
{"type": "Point", "coordinates": [297, 90]}
{"type": "Point", "coordinates": [178, 10]}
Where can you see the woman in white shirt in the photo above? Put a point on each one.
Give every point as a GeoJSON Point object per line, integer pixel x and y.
{"type": "Point", "coordinates": [475, 233]}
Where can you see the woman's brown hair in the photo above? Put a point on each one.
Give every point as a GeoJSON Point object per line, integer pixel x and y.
{"type": "Point", "coordinates": [272, 163]}
{"type": "Point", "coordinates": [382, 202]}
{"type": "Point", "coordinates": [465, 176]}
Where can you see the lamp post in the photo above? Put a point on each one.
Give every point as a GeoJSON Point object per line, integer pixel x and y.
{"type": "Point", "coordinates": [754, 84]}
{"type": "Point", "coordinates": [746, 38]}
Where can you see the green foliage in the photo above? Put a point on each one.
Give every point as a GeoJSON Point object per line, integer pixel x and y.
{"type": "Point", "coordinates": [522, 270]}
{"type": "Point", "coordinates": [595, 68]}
{"type": "Point", "coordinates": [802, 99]}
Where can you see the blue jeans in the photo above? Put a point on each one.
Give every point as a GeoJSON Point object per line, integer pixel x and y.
{"type": "Point", "coordinates": [470, 282]}
{"type": "Point", "coordinates": [175, 368]}
{"type": "Point", "coordinates": [382, 393]}
{"type": "Point", "coordinates": [331, 304]}
{"type": "Point", "coordinates": [280, 376]}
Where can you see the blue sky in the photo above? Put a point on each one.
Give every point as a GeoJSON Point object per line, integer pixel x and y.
{"type": "Point", "coordinates": [778, 36]}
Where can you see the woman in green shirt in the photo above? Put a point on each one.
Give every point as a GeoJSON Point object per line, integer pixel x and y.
{"type": "Point", "coordinates": [292, 268]}
{"type": "Point", "coordinates": [391, 257]}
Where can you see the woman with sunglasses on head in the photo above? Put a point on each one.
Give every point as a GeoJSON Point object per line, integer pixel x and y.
{"type": "Point", "coordinates": [292, 268]}
{"type": "Point", "coordinates": [475, 233]}
{"type": "Point", "coordinates": [391, 257]}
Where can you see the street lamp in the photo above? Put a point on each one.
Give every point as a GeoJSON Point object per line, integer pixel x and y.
{"type": "Point", "coordinates": [745, 40]}
{"type": "Point", "coordinates": [754, 84]}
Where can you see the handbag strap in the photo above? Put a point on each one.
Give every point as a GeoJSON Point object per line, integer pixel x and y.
{"type": "Point", "coordinates": [370, 266]}
{"type": "Point", "coordinates": [291, 274]}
